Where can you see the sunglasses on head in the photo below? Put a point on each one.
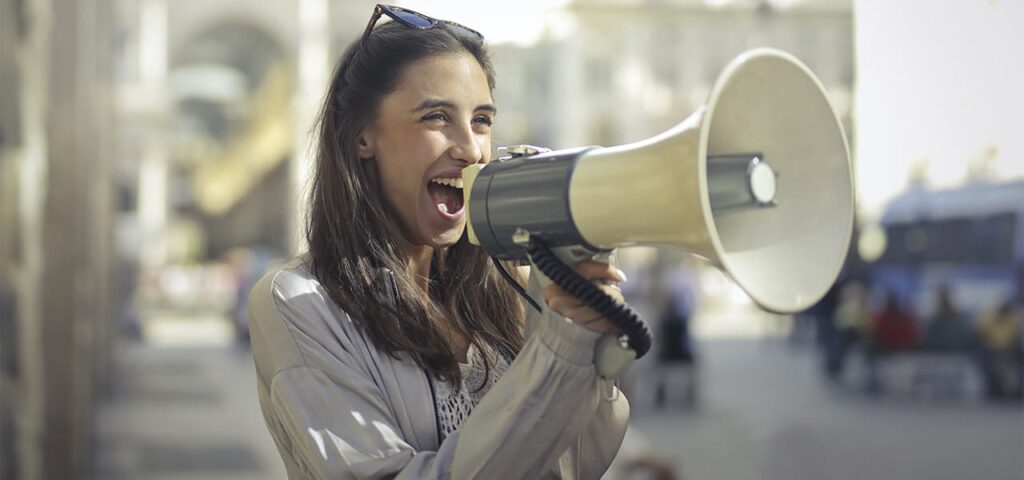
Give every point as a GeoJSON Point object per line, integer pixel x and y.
{"type": "Point", "coordinates": [413, 19]}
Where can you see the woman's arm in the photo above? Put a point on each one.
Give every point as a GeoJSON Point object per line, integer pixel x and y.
{"type": "Point", "coordinates": [550, 399]}
{"type": "Point", "coordinates": [594, 449]}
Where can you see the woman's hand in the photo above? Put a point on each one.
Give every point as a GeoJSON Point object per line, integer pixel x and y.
{"type": "Point", "coordinates": [572, 308]}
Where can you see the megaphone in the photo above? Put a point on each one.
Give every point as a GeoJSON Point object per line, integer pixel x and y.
{"type": "Point", "coordinates": [758, 181]}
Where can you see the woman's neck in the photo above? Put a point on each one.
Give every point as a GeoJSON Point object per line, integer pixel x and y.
{"type": "Point", "coordinates": [418, 259]}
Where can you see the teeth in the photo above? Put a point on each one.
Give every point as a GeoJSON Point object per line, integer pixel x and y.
{"type": "Point", "coordinates": [451, 182]}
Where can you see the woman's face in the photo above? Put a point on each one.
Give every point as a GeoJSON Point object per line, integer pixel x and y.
{"type": "Point", "coordinates": [436, 122]}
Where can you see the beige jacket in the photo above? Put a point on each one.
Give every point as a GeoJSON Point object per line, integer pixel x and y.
{"type": "Point", "coordinates": [339, 408]}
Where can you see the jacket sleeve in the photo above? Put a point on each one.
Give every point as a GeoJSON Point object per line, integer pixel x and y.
{"type": "Point", "coordinates": [593, 452]}
{"type": "Point", "coordinates": [549, 400]}
{"type": "Point", "coordinates": [330, 419]}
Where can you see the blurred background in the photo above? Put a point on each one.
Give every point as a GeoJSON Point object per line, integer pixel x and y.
{"type": "Point", "coordinates": [153, 162]}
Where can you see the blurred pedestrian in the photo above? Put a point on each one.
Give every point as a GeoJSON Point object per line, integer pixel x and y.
{"type": "Point", "coordinates": [853, 327]}
{"type": "Point", "coordinates": [1001, 354]}
{"type": "Point", "coordinates": [947, 330]}
{"type": "Point", "coordinates": [675, 377]}
{"type": "Point", "coordinates": [893, 329]}
{"type": "Point", "coordinates": [822, 316]}
{"type": "Point", "coordinates": [677, 358]}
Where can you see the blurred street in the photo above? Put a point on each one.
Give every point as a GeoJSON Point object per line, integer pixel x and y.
{"type": "Point", "coordinates": [765, 412]}
{"type": "Point", "coordinates": [184, 412]}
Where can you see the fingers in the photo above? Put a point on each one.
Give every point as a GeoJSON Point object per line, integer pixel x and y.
{"type": "Point", "coordinates": [592, 270]}
{"type": "Point", "coordinates": [558, 299]}
{"type": "Point", "coordinates": [603, 325]}
{"type": "Point", "coordinates": [571, 307]}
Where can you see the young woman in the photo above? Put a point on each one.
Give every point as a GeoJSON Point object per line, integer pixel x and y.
{"type": "Point", "coordinates": [394, 348]}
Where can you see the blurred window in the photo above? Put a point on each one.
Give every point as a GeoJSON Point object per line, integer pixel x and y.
{"type": "Point", "coordinates": [980, 241]}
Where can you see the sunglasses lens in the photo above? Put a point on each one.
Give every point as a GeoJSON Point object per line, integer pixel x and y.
{"type": "Point", "coordinates": [413, 19]}
{"type": "Point", "coordinates": [464, 31]}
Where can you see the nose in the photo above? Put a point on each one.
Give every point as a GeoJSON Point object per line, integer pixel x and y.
{"type": "Point", "coordinates": [466, 146]}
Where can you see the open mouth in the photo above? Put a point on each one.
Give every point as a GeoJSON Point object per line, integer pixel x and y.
{"type": "Point", "coordinates": [446, 194]}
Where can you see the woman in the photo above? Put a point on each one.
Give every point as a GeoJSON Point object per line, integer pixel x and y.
{"type": "Point", "coordinates": [394, 348]}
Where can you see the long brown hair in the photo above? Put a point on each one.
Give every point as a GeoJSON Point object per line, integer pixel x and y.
{"type": "Point", "coordinates": [350, 227]}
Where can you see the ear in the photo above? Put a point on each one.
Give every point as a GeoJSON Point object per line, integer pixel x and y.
{"type": "Point", "coordinates": [365, 146]}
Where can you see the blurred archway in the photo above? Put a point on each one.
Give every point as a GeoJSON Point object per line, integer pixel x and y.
{"type": "Point", "coordinates": [231, 87]}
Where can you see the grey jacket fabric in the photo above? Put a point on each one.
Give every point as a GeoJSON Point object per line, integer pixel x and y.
{"type": "Point", "coordinates": [339, 408]}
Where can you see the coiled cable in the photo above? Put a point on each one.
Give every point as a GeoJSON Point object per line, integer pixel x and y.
{"type": "Point", "coordinates": [637, 334]}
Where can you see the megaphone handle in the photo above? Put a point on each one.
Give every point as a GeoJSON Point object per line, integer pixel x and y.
{"type": "Point", "coordinates": [557, 271]}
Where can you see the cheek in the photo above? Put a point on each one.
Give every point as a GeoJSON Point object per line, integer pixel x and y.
{"type": "Point", "coordinates": [399, 186]}
{"type": "Point", "coordinates": [404, 161]}
{"type": "Point", "coordinates": [484, 142]}
{"type": "Point", "coordinates": [402, 176]}
{"type": "Point", "coordinates": [388, 175]}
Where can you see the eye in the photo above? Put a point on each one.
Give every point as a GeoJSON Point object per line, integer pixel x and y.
{"type": "Point", "coordinates": [435, 117]}
{"type": "Point", "coordinates": [483, 120]}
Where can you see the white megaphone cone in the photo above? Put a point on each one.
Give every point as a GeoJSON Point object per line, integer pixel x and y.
{"type": "Point", "coordinates": [662, 191]}
{"type": "Point", "coordinates": [758, 181]}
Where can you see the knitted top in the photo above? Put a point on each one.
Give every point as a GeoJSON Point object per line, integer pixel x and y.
{"type": "Point", "coordinates": [453, 405]}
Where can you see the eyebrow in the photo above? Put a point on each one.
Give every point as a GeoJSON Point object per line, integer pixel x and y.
{"type": "Point", "coordinates": [437, 103]}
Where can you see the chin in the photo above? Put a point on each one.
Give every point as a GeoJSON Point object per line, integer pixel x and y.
{"type": "Point", "coordinates": [448, 238]}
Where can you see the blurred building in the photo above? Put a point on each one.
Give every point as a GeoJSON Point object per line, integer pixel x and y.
{"type": "Point", "coordinates": [615, 71]}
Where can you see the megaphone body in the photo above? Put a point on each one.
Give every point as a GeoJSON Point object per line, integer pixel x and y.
{"type": "Point", "coordinates": [758, 181]}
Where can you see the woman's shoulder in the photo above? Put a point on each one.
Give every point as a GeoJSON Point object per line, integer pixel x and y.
{"type": "Point", "coordinates": [293, 322]}
{"type": "Point", "coordinates": [292, 290]}
{"type": "Point", "coordinates": [289, 279]}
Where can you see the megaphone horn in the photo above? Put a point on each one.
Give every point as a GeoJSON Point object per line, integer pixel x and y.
{"type": "Point", "coordinates": [758, 181]}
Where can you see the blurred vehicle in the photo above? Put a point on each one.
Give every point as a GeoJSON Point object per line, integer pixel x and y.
{"type": "Point", "coordinates": [970, 239]}
{"type": "Point", "coordinates": [958, 249]}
